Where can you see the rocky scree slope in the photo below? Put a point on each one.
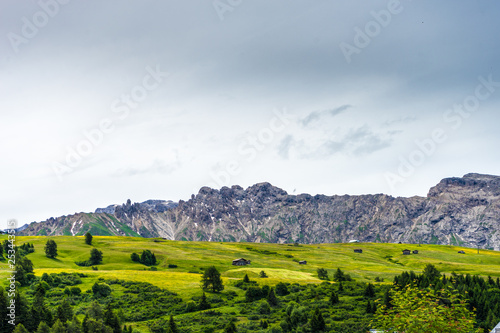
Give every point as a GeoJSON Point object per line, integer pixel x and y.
{"type": "Point", "coordinates": [458, 211]}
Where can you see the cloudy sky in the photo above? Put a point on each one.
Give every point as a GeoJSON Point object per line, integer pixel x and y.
{"type": "Point", "coordinates": [105, 101]}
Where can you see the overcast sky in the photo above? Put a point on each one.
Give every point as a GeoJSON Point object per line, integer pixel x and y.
{"type": "Point", "coordinates": [105, 101]}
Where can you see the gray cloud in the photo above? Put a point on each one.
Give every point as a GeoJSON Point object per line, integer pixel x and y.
{"type": "Point", "coordinates": [317, 115]}
{"type": "Point", "coordinates": [229, 75]}
{"type": "Point", "coordinates": [284, 146]}
{"type": "Point", "coordinates": [400, 120]}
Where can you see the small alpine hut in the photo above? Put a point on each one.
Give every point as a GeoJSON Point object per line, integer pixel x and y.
{"type": "Point", "coordinates": [358, 251]}
{"type": "Point", "coordinates": [241, 262]}
{"type": "Point", "coordinates": [303, 262]}
{"type": "Point", "coordinates": [415, 251]}
{"type": "Point", "coordinates": [406, 252]}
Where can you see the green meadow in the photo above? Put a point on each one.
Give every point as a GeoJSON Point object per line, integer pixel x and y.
{"type": "Point", "coordinates": [279, 261]}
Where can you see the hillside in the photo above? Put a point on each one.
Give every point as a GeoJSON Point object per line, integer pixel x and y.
{"type": "Point", "coordinates": [182, 263]}
{"type": "Point", "coordinates": [458, 211]}
{"type": "Point", "coordinates": [278, 260]}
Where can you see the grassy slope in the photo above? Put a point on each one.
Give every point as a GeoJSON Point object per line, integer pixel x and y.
{"type": "Point", "coordinates": [382, 260]}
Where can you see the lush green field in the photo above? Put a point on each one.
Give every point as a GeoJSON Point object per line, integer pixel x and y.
{"type": "Point", "coordinates": [277, 260]}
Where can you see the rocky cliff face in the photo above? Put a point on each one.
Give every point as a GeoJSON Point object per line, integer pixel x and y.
{"type": "Point", "coordinates": [461, 211]}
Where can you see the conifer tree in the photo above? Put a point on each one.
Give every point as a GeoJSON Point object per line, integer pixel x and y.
{"type": "Point", "coordinates": [246, 279]}
{"type": "Point", "coordinates": [95, 257]}
{"type": "Point", "coordinates": [51, 249]}
{"type": "Point", "coordinates": [88, 238]}
{"type": "Point", "coordinates": [211, 280]}
{"type": "Point", "coordinates": [58, 327]}
{"type": "Point", "coordinates": [4, 325]}
{"type": "Point", "coordinates": [20, 329]}
{"type": "Point", "coordinates": [64, 311]}
{"type": "Point", "coordinates": [338, 276]}
{"type": "Point", "coordinates": [203, 305]}
{"type": "Point", "coordinates": [172, 326]}
{"type": "Point", "coordinates": [369, 307]}
{"type": "Point", "coordinates": [334, 298]}
{"type": "Point", "coordinates": [74, 326]}
{"type": "Point", "coordinates": [317, 322]}
{"type": "Point", "coordinates": [271, 298]}
{"type": "Point", "coordinates": [43, 328]}
{"type": "Point", "coordinates": [230, 328]}
{"type": "Point", "coordinates": [369, 290]}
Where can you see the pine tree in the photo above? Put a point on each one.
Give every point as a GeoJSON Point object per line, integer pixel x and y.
{"type": "Point", "coordinates": [230, 328]}
{"type": "Point", "coordinates": [322, 274]}
{"type": "Point", "coordinates": [271, 298]}
{"type": "Point", "coordinates": [334, 298]}
{"type": "Point", "coordinates": [111, 319]}
{"type": "Point", "coordinates": [246, 279]}
{"type": "Point", "coordinates": [340, 287]}
{"type": "Point", "coordinates": [172, 326]}
{"type": "Point", "coordinates": [263, 274]}
{"type": "Point", "coordinates": [211, 280]}
{"type": "Point", "coordinates": [64, 311]}
{"type": "Point", "coordinates": [95, 257]}
{"type": "Point", "coordinates": [20, 329]}
{"type": "Point", "coordinates": [203, 305]}
{"type": "Point", "coordinates": [387, 300]}
{"type": "Point", "coordinates": [43, 328]}
{"type": "Point", "coordinates": [338, 276]}
{"type": "Point", "coordinates": [85, 322]}
{"type": "Point", "coordinates": [369, 290]}
{"type": "Point", "coordinates": [74, 326]}
{"type": "Point", "coordinates": [317, 322]}
{"type": "Point", "coordinates": [58, 327]}
{"type": "Point", "coordinates": [39, 310]}
{"type": "Point", "coordinates": [369, 307]}
{"type": "Point", "coordinates": [88, 238]}
{"type": "Point", "coordinates": [51, 249]}
{"type": "Point", "coordinates": [135, 257]}
{"type": "Point", "coordinates": [4, 326]}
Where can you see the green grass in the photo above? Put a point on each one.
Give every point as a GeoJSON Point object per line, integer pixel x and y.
{"type": "Point", "coordinates": [377, 260]}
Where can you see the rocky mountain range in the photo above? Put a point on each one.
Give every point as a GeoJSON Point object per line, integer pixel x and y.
{"type": "Point", "coordinates": [458, 211]}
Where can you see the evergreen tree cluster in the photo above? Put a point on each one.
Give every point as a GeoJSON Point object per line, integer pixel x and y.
{"type": "Point", "coordinates": [21, 251]}
{"type": "Point", "coordinates": [483, 295]}
{"type": "Point", "coordinates": [146, 258]}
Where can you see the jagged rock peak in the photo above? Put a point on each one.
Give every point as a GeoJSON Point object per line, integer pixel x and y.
{"type": "Point", "coordinates": [487, 183]}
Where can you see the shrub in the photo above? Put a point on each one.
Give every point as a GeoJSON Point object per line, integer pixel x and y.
{"type": "Point", "coordinates": [101, 290]}
{"type": "Point", "coordinates": [75, 291]}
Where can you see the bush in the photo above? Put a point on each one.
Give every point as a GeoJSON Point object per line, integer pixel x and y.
{"type": "Point", "coordinates": [75, 291]}
{"type": "Point", "coordinates": [281, 289]}
{"type": "Point", "coordinates": [101, 290]}
{"type": "Point", "coordinates": [172, 266]}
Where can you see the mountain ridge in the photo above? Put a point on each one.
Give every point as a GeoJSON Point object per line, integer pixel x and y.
{"type": "Point", "coordinates": [458, 211]}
